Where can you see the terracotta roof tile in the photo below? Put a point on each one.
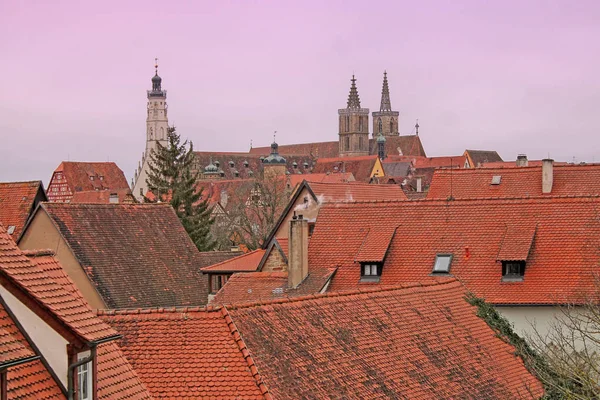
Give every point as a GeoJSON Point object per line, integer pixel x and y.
{"type": "Point", "coordinates": [72, 311]}
{"type": "Point", "coordinates": [376, 244]}
{"type": "Point", "coordinates": [17, 202]}
{"type": "Point", "coordinates": [339, 177]}
{"type": "Point", "coordinates": [423, 341]}
{"type": "Point", "coordinates": [517, 242]}
{"type": "Point", "coordinates": [103, 196]}
{"type": "Point", "coordinates": [208, 258]}
{"type": "Point", "coordinates": [184, 353]}
{"type": "Point", "coordinates": [135, 254]}
{"type": "Point", "coordinates": [77, 176]}
{"type": "Point", "coordinates": [13, 346]}
{"type": "Point", "coordinates": [355, 191]}
{"type": "Point", "coordinates": [283, 243]}
{"type": "Point", "coordinates": [361, 167]}
{"type": "Point", "coordinates": [481, 157]}
{"type": "Point", "coordinates": [578, 180]}
{"type": "Point", "coordinates": [245, 263]}
{"type": "Point", "coordinates": [561, 264]}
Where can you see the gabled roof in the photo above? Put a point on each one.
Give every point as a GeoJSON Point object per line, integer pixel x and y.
{"type": "Point", "coordinates": [184, 353]}
{"type": "Point", "coordinates": [568, 180]}
{"type": "Point", "coordinates": [413, 341]}
{"type": "Point", "coordinates": [361, 167]}
{"type": "Point", "coordinates": [17, 202]}
{"type": "Point", "coordinates": [481, 157]}
{"type": "Point", "coordinates": [83, 176]}
{"type": "Point", "coordinates": [103, 196]}
{"type": "Point", "coordinates": [562, 258]}
{"type": "Point", "coordinates": [208, 258]}
{"type": "Point", "coordinates": [33, 282]}
{"type": "Point", "coordinates": [245, 263]}
{"type": "Point", "coordinates": [134, 254]}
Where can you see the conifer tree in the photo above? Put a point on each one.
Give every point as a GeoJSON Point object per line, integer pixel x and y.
{"type": "Point", "coordinates": [171, 177]}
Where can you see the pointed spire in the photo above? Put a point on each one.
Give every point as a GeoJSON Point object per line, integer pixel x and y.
{"type": "Point", "coordinates": [417, 127]}
{"type": "Point", "coordinates": [386, 104]}
{"type": "Point", "coordinates": [353, 99]}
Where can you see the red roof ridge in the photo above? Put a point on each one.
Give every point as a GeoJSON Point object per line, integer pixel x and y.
{"type": "Point", "coordinates": [355, 158]}
{"type": "Point", "coordinates": [213, 266]}
{"type": "Point", "coordinates": [246, 354]}
{"type": "Point", "coordinates": [39, 253]}
{"type": "Point", "coordinates": [157, 310]}
{"type": "Point", "coordinates": [315, 296]}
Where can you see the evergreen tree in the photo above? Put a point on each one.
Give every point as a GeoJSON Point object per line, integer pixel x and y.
{"type": "Point", "coordinates": [171, 177]}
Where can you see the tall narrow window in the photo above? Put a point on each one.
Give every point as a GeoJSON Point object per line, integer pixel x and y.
{"type": "Point", "coordinates": [360, 124]}
{"type": "Point", "coordinates": [360, 143]}
{"type": "Point", "coordinates": [347, 124]}
{"type": "Point", "coordinates": [347, 143]}
{"type": "Point", "coordinates": [392, 125]}
{"type": "Point", "coordinates": [380, 125]}
{"type": "Point", "coordinates": [84, 378]}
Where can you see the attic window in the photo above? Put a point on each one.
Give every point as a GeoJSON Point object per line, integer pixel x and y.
{"type": "Point", "coordinates": [91, 177]}
{"type": "Point", "coordinates": [513, 270]}
{"type": "Point", "coordinates": [217, 163]}
{"type": "Point", "coordinates": [101, 177]}
{"type": "Point", "coordinates": [496, 179]}
{"type": "Point", "coordinates": [370, 272]}
{"type": "Point", "coordinates": [11, 229]}
{"type": "Point", "coordinates": [305, 165]}
{"type": "Point", "coordinates": [442, 263]}
{"type": "Point", "coordinates": [236, 173]}
{"type": "Point", "coordinates": [231, 164]}
{"type": "Point", "coordinates": [84, 378]}
{"type": "Point", "coordinates": [246, 164]}
{"type": "Point", "coordinates": [295, 164]}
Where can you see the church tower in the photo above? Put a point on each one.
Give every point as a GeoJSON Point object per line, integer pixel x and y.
{"type": "Point", "coordinates": [385, 121]}
{"type": "Point", "coordinates": [353, 126]}
{"type": "Point", "coordinates": [156, 132]}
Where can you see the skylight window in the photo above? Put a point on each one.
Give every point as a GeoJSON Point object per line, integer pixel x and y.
{"type": "Point", "coordinates": [442, 263]}
{"type": "Point", "coordinates": [496, 179]}
{"type": "Point", "coordinates": [11, 229]}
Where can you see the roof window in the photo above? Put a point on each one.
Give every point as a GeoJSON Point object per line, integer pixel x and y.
{"type": "Point", "coordinates": [442, 263]}
{"type": "Point", "coordinates": [513, 270]}
{"type": "Point", "coordinates": [370, 272]}
{"type": "Point", "coordinates": [496, 179]}
{"type": "Point", "coordinates": [11, 229]}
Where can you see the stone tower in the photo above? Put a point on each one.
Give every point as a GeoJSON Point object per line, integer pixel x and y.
{"type": "Point", "coordinates": [353, 126]}
{"type": "Point", "coordinates": [156, 132]}
{"type": "Point", "coordinates": [274, 165]}
{"type": "Point", "coordinates": [385, 121]}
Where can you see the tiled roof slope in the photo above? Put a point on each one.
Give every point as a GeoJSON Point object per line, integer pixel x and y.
{"type": "Point", "coordinates": [355, 191]}
{"type": "Point", "coordinates": [85, 176]}
{"type": "Point", "coordinates": [17, 201]}
{"type": "Point", "coordinates": [394, 145]}
{"type": "Point", "coordinates": [418, 342]}
{"type": "Point", "coordinates": [321, 178]}
{"type": "Point", "coordinates": [250, 287]}
{"type": "Point", "coordinates": [361, 167]}
{"type": "Point", "coordinates": [245, 263]}
{"type": "Point", "coordinates": [429, 162]}
{"type": "Point", "coordinates": [481, 157]}
{"type": "Point", "coordinates": [116, 377]}
{"type": "Point", "coordinates": [575, 180]}
{"type": "Point", "coordinates": [184, 354]}
{"type": "Point", "coordinates": [103, 196]}
{"type": "Point", "coordinates": [30, 380]}
{"type": "Point", "coordinates": [208, 258]}
{"type": "Point", "coordinates": [561, 265]}
{"type": "Point", "coordinates": [71, 311]}
{"type": "Point", "coordinates": [135, 254]}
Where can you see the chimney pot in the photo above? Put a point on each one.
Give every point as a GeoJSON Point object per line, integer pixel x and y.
{"type": "Point", "coordinates": [522, 160]}
{"type": "Point", "coordinates": [547, 175]}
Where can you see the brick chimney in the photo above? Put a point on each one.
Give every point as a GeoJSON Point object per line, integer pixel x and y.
{"type": "Point", "coordinates": [547, 175]}
{"type": "Point", "coordinates": [298, 248]}
{"type": "Point", "coordinates": [522, 160]}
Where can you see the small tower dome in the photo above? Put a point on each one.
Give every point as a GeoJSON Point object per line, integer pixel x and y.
{"type": "Point", "coordinates": [274, 157]}
{"type": "Point", "coordinates": [381, 138]}
{"type": "Point", "coordinates": [211, 168]}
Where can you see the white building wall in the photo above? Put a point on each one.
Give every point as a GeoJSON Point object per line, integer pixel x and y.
{"type": "Point", "coordinates": [50, 343]}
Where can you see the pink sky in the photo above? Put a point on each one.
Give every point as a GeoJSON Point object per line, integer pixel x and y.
{"type": "Point", "coordinates": [512, 76]}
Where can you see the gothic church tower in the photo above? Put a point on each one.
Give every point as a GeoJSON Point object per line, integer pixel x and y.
{"type": "Point", "coordinates": [385, 121]}
{"type": "Point", "coordinates": [353, 126]}
{"type": "Point", "coordinates": [156, 132]}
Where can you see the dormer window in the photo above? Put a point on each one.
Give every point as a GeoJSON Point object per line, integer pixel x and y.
{"type": "Point", "coordinates": [370, 272]}
{"type": "Point", "coordinates": [442, 263]}
{"type": "Point", "coordinates": [84, 378]}
{"type": "Point", "coordinates": [91, 177]}
{"type": "Point", "coordinates": [513, 270]}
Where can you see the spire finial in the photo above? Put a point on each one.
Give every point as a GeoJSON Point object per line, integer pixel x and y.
{"type": "Point", "coordinates": [353, 99]}
{"type": "Point", "coordinates": [250, 143]}
{"type": "Point", "coordinates": [386, 104]}
{"type": "Point", "coordinates": [274, 133]}
{"type": "Point", "coordinates": [156, 65]}
{"type": "Point", "coordinates": [417, 127]}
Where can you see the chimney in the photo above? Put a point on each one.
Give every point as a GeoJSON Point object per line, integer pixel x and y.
{"type": "Point", "coordinates": [419, 187]}
{"type": "Point", "coordinates": [522, 160]}
{"type": "Point", "coordinates": [298, 248]}
{"type": "Point", "coordinates": [547, 175]}
{"type": "Point", "coordinates": [113, 198]}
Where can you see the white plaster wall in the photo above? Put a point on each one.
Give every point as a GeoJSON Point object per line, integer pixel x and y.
{"type": "Point", "coordinates": [522, 318]}
{"type": "Point", "coordinates": [50, 343]}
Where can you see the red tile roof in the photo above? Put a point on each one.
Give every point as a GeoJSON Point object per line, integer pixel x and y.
{"type": "Point", "coordinates": [42, 277]}
{"type": "Point", "coordinates": [102, 196]}
{"type": "Point", "coordinates": [481, 157]}
{"type": "Point", "coordinates": [245, 263]}
{"type": "Point", "coordinates": [577, 180]}
{"type": "Point", "coordinates": [283, 243]}
{"type": "Point", "coordinates": [135, 254]}
{"type": "Point", "coordinates": [84, 176]}
{"type": "Point", "coordinates": [339, 177]}
{"type": "Point", "coordinates": [208, 258]}
{"type": "Point", "coordinates": [70, 311]}
{"type": "Point", "coordinates": [561, 265]}
{"type": "Point", "coordinates": [361, 167]}
{"type": "Point", "coordinates": [355, 191]}
{"type": "Point", "coordinates": [517, 242]}
{"type": "Point", "coordinates": [17, 202]}
{"type": "Point", "coordinates": [375, 244]}
{"type": "Point", "coordinates": [13, 346]}
{"type": "Point", "coordinates": [184, 353]}
{"type": "Point", "coordinates": [420, 341]}
{"type": "Point", "coordinates": [428, 162]}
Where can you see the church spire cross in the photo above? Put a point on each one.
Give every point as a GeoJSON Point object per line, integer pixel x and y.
{"type": "Point", "coordinates": [386, 104]}
{"type": "Point", "coordinates": [156, 66]}
{"type": "Point", "coordinates": [417, 127]}
{"type": "Point", "coordinates": [353, 99]}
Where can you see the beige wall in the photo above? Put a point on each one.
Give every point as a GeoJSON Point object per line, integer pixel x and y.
{"type": "Point", "coordinates": [42, 234]}
{"type": "Point", "coordinates": [274, 262]}
{"type": "Point", "coordinates": [310, 213]}
{"type": "Point", "coordinates": [50, 343]}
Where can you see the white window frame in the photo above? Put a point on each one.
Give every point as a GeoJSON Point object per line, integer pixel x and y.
{"type": "Point", "coordinates": [439, 266]}
{"type": "Point", "coordinates": [84, 378]}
